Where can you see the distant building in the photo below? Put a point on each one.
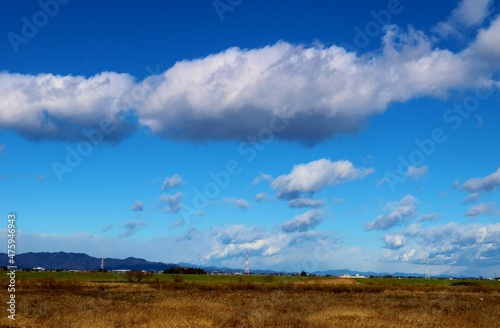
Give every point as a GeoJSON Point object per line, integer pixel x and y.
{"type": "Point", "coordinates": [346, 275]}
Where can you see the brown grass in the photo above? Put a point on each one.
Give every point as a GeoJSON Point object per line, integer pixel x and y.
{"type": "Point", "coordinates": [324, 303]}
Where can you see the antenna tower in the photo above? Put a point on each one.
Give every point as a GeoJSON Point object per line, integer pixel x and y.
{"type": "Point", "coordinates": [247, 266]}
{"type": "Point", "coordinates": [102, 264]}
{"type": "Point", "coordinates": [427, 268]}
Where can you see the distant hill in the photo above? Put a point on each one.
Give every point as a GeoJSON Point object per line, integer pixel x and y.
{"type": "Point", "coordinates": [80, 261]}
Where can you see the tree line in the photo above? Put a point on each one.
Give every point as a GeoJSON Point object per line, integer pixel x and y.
{"type": "Point", "coordinates": [185, 270]}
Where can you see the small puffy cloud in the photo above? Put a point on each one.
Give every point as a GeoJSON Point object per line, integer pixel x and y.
{"type": "Point", "coordinates": [138, 206]}
{"type": "Point", "coordinates": [487, 183]}
{"type": "Point", "coordinates": [172, 182]}
{"type": "Point", "coordinates": [262, 177]}
{"type": "Point", "coordinates": [131, 227]}
{"type": "Point", "coordinates": [481, 209]}
{"type": "Point", "coordinates": [394, 241]}
{"type": "Point", "coordinates": [303, 222]}
{"type": "Point", "coordinates": [400, 212]}
{"type": "Point", "coordinates": [471, 198]}
{"type": "Point", "coordinates": [261, 197]}
{"type": "Point", "coordinates": [430, 217]}
{"type": "Point", "coordinates": [415, 172]}
{"type": "Point", "coordinates": [305, 202]}
{"type": "Point", "coordinates": [171, 203]}
{"type": "Point", "coordinates": [469, 13]}
{"type": "Point", "coordinates": [314, 176]}
{"type": "Point", "coordinates": [238, 202]}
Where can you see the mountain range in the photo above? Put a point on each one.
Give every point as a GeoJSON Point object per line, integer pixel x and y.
{"type": "Point", "coordinates": [81, 261]}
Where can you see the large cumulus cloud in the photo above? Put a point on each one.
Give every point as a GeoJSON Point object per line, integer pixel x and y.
{"type": "Point", "coordinates": [317, 91]}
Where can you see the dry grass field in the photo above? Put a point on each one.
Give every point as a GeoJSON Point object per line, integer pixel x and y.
{"type": "Point", "coordinates": [325, 302]}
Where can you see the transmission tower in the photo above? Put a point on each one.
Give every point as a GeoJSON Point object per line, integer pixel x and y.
{"type": "Point", "coordinates": [427, 276]}
{"type": "Point", "coordinates": [247, 266]}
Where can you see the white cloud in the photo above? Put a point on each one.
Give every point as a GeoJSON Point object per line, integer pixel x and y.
{"type": "Point", "coordinates": [487, 44]}
{"type": "Point", "coordinates": [430, 217]}
{"type": "Point", "coordinates": [480, 120]}
{"type": "Point", "coordinates": [107, 228]}
{"type": "Point", "coordinates": [62, 107]}
{"type": "Point", "coordinates": [394, 241]}
{"type": "Point", "coordinates": [171, 203]}
{"type": "Point", "coordinates": [178, 223]}
{"type": "Point", "coordinates": [222, 246]}
{"type": "Point", "coordinates": [262, 177]}
{"type": "Point", "coordinates": [305, 202]}
{"type": "Point", "coordinates": [471, 198]}
{"type": "Point", "coordinates": [131, 227]}
{"type": "Point", "coordinates": [481, 209]}
{"type": "Point", "coordinates": [469, 13]}
{"type": "Point", "coordinates": [303, 222]}
{"type": "Point", "coordinates": [487, 183]}
{"type": "Point", "coordinates": [314, 176]}
{"type": "Point", "coordinates": [172, 182]}
{"type": "Point", "coordinates": [415, 172]}
{"type": "Point", "coordinates": [472, 245]}
{"type": "Point", "coordinates": [261, 197]}
{"type": "Point", "coordinates": [319, 91]}
{"type": "Point", "coordinates": [400, 212]}
{"type": "Point", "coordinates": [137, 206]}
{"type": "Point", "coordinates": [238, 202]}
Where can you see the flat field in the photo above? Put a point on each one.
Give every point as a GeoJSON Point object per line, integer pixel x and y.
{"type": "Point", "coordinates": [110, 300]}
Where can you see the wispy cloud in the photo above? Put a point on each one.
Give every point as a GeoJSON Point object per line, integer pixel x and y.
{"type": "Point", "coordinates": [178, 223]}
{"type": "Point", "coordinates": [131, 227]}
{"type": "Point", "coordinates": [430, 217]}
{"type": "Point", "coordinates": [107, 228]}
{"type": "Point", "coordinates": [305, 202]}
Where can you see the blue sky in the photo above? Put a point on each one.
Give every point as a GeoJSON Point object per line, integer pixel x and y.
{"type": "Point", "coordinates": [316, 136]}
